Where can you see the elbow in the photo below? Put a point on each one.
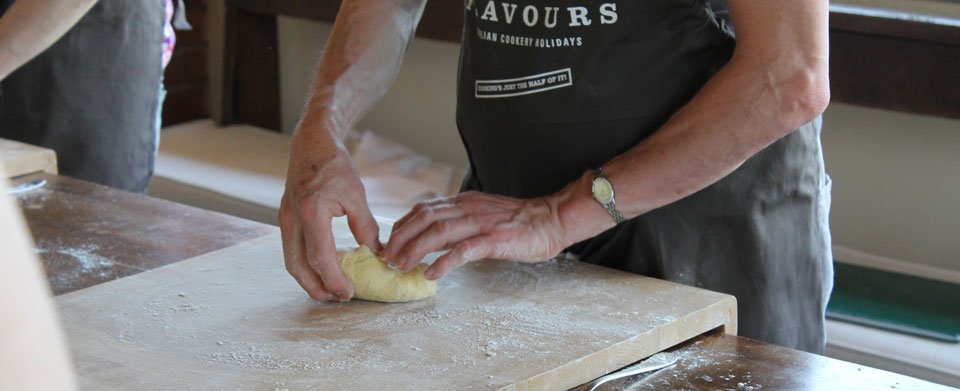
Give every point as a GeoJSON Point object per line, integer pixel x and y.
{"type": "Point", "coordinates": [805, 96]}
{"type": "Point", "coordinates": [814, 96]}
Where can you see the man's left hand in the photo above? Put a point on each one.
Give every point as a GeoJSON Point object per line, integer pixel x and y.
{"type": "Point", "coordinates": [475, 226]}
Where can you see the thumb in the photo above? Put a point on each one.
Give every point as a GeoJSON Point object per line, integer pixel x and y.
{"type": "Point", "coordinates": [364, 227]}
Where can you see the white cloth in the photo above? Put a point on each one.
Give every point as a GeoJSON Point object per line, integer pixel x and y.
{"type": "Point", "coordinates": [249, 164]}
{"type": "Point", "coordinates": [396, 175]}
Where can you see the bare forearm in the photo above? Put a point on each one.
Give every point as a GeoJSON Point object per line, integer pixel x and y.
{"type": "Point", "coordinates": [30, 26]}
{"type": "Point", "coordinates": [758, 97]}
{"type": "Point", "coordinates": [360, 62]}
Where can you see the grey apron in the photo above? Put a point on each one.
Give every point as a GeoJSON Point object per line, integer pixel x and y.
{"type": "Point", "coordinates": [93, 96]}
{"type": "Point", "coordinates": [549, 90]}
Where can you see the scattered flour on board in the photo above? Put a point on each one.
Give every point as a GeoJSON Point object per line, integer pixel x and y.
{"type": "Point", "coordinates": [474, 335]}
{"type": "Point", "coordinates": [83, 258]}
{"type": "Point", "coordinates": [466, 335]}
{"type": "Point", "coordinates": [34, 200]}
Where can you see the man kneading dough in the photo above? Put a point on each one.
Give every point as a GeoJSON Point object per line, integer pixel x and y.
{"type": "Point", "coordinates": [674, 139]}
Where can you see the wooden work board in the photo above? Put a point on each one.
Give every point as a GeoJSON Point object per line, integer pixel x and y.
{"type": "Point", "coordinates": [234, 319]}
{"type": "Point", "coordinates": [20, 159]}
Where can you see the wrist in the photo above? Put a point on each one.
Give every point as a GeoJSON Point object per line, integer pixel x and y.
{"type": "Point", "coordinates": [318, 134]}
{"type": "Point", "coordinates": [323, 113]}
{"type": "Point", "coordinates": [578, 215]}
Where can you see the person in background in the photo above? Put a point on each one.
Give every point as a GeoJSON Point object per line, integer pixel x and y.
{"type": "Point", "coordinates": [84, 78]}
{"type": "Point", "coordinates": [674, 139]}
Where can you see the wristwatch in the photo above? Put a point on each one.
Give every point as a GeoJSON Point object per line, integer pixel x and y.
{"type": "Point", "coordinates": [603, 193]}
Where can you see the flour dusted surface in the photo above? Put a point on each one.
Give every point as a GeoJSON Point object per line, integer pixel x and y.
{"type": "Point", "coordinates": [236, 319]}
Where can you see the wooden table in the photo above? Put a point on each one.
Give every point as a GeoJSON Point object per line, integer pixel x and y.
{"type": "Point", "coordinates": [715, 361]}
{"type": "Point", "coordinates": [87, 234]}
{"type": "Point", "coordinates": [82, 230]}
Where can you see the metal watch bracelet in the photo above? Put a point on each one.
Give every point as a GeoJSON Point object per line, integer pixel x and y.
{"type": "Point", "coordinates": [603, 184]}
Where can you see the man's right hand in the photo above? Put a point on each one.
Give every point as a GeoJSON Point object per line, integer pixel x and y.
{"type": "Point", "coordinates": [322, 183]}
{"type": "Point", "coordinates": [360, 61]}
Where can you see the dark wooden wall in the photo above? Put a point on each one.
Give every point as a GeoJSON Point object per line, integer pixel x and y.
{"type": "Point", "coordinates": [877, 62]}
{"type": "Point", "coordinates": [186, 77]}
{"type": "Point", "coordinates": [895, 64]}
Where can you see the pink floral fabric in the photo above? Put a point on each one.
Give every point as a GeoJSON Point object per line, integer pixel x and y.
{"type": "Point", "coordinates": [169, 36]}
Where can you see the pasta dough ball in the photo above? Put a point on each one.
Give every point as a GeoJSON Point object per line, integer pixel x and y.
{"type": "Point", "coordinates": [373, 280]}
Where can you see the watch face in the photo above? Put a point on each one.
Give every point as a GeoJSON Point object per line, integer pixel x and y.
{"type": "Point", "coordinates": [602, 190]}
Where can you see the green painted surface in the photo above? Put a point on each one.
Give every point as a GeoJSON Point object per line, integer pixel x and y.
{"type": "Point", "coordinates": [896, 302]}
